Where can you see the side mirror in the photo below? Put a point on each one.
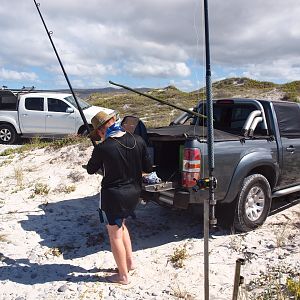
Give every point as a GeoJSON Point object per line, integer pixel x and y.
{"type": "Point", "coordinates": [69, 110]}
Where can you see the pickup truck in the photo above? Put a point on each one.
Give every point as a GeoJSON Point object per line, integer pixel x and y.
{"type": "Point", "coordinates": [42, 114]}
{"type": "Point", "coordinates": [256, 154]}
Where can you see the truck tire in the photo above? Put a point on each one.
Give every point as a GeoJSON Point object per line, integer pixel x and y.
{"type": "Point", "coordinates": [83, 131]}
{"type": "Point", "coordinates": [253, 203]}
{"type": "Point", "coordinates": [8, 134]}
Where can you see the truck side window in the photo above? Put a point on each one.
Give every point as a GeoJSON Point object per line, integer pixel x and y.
{"type": "Point", "coordinates": [57, 105]}
{"type": "Point", "coordinates": [288, 117]}
{"type": "Point", "coordinates": [34, 104]}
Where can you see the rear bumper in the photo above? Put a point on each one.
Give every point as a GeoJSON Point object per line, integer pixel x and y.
{"type": "Point", "coordinates": [167, 193]}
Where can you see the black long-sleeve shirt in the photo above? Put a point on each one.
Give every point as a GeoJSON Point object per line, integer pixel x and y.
{"type": "Point", "coordinates": [123, 159]}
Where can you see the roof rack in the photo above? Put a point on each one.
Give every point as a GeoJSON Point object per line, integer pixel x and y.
{"type": "Point", "coordinates": [24, 90]}
{"type": "Point", "coordinates": [16, 92]}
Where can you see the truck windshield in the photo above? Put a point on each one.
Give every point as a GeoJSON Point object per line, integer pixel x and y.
{"type": "Point", "coordinates": [82, 103]}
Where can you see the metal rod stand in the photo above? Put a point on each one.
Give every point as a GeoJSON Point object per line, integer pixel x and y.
{"type": "Point", "coordinates": [238, 279]}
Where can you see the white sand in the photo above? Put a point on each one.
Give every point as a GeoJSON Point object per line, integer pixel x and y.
{"type": "Point", "coordinates": [53, 246]}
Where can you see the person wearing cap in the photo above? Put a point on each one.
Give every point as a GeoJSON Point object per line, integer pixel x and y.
{"type": "Point", "coordinates": [123, 157]}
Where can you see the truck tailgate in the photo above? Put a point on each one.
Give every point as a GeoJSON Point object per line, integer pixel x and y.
{"type": "Point", "coordinates": [181, 132]}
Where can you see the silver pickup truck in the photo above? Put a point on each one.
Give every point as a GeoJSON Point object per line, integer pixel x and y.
{"type": "Point", "coordinates": [257, 158]}
{"type": "Point", "coordinates": [42, 114]}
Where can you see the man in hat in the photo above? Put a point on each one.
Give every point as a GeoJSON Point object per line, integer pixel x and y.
{"type": "Point", "coordinates": [123, 157]}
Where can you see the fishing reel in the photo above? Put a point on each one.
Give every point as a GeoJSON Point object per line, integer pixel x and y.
{"type": "Point", "coordinates": [205, 183]}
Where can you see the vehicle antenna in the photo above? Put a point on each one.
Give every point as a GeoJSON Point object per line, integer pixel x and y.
{"type": "Point", "coordinates": [49, 33]}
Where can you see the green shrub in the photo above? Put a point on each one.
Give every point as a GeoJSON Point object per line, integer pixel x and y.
{"type": "Point", "coordinates": [293, 286]}
{"type": "Point", "coordinates": [291, 96]}
{"type": "Point", "coordinates": [38, 143]}
{"type": "Point", "coordinates": [178, 257]}
{"type": "Point", "coordinates": [41, 189]}
{"type": "Point", "coordinates": [8, 152]}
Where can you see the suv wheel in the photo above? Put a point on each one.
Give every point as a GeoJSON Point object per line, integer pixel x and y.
{"type": "Point", "coordinates": [83, 130]}
{"type": "Point", "coordinates": [253, 203]}
{"type": "Point", "coordinates": [8, 134]}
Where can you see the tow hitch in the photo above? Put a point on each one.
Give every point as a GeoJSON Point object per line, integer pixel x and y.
{"type": "Point", "coordinates": [159, 187]}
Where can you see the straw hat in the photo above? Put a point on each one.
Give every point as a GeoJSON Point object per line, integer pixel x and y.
{"type": "Point", "coordinates": [99, 120]}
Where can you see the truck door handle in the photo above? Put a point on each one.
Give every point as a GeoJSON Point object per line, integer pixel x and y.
{"type": "Point", "coordinates": [290, 148]}
{"type": "Point", "coordinates": [48, 116]}
{"type": "Point", "coordinates": [24, 115]}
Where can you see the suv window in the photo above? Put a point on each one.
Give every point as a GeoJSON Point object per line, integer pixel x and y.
{"type": "Point", "coordinates": [57, 105]}
{"type": "Point", "coordinates": [34, 104]}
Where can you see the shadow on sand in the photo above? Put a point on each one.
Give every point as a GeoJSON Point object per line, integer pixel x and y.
{"type": "Point", "coordinates": [73, 227]}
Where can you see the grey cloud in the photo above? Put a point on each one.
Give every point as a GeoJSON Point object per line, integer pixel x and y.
{"type": "Point", "coordinates": [117, 34]}
{"type": "Point", "coordinates": [254, 31]}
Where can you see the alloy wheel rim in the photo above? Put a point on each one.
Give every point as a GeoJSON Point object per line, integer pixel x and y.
{"type": "Point", "coordinates": [5, 135]}
{"type": "Point", "coordinates": [255, 203]}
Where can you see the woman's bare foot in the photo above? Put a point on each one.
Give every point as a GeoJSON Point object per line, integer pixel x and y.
{"type": "Point", "coordinates": [117, 278]}
{"type": "Point", "coordinates": [131, 267]}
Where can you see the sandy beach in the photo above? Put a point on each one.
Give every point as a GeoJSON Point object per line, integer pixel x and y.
{"type": "Point", "coordinates": [52, 245]}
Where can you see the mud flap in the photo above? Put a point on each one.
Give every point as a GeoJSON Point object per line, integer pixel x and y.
{"type": "Point", "coordinates": [181, 199]}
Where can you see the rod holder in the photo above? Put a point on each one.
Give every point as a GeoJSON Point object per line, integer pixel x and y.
{"type": "Point", "coordinates": [238, 279]}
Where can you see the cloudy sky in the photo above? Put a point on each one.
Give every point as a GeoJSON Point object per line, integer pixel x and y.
{"type": "Point", "coordinates": [145, 43]}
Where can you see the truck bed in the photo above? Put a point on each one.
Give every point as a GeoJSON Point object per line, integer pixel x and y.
{"type": "Point", "coordinates": [168, 142]}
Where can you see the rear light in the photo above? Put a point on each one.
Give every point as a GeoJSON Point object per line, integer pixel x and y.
{"type": "Point", "coordinates": [191, 166]}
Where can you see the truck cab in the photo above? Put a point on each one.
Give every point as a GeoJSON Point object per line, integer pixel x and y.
{"type": "Point", "coordinates": [256, 155]}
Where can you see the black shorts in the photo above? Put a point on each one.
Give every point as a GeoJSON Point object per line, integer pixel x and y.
{"type": "Point", "coordinates": [119, 203]}
{"type": "Point", "coordinates": [112, 220]}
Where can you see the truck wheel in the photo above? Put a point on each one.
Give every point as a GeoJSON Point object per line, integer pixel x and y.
{"type": "Point", "coordinates": [253, 203]}
{"type": "Point", "coordinates": [83, 131]}
{"type": "Point", "coordinates": [8, 134]}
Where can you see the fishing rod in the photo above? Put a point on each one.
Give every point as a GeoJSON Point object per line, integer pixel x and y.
{"type": "Point", "coordinates": [158, 100]}
{"type": "Point", "coordinates": [208, 219]}
{"type": "Point", "coordinates": [49, 33]}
